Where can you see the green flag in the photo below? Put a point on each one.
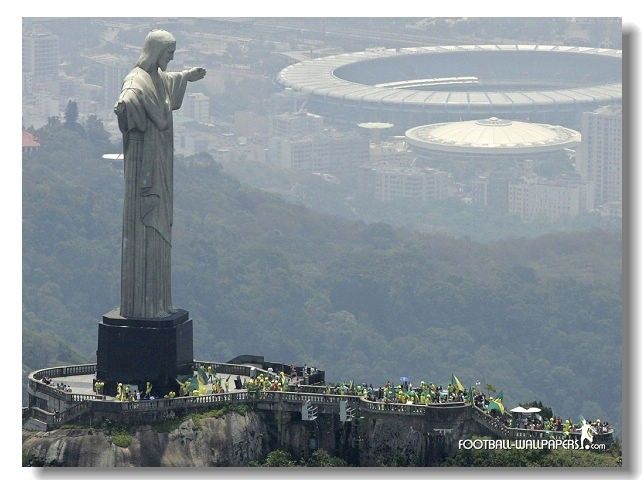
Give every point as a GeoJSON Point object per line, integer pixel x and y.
{"type": "Point", "coordinates": [193, 384]}
{"type": "Point", "coordinates": [201, 376]}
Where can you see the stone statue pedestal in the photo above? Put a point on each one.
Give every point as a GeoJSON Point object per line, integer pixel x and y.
{"type": "Point", "coordinates": [138, 350]}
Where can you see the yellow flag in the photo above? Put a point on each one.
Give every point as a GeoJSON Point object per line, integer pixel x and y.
{"type": "Point", "coordinates": [457, 384]}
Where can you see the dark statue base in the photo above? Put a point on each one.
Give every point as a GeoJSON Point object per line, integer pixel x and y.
{"type": "Point", "coordinates": [139, 350]}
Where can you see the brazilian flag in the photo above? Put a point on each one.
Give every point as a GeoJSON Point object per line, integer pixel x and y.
{"type": "Point", "coordinates": [457, 384]}
{"type": "Point", "coordinates": [496, 404]}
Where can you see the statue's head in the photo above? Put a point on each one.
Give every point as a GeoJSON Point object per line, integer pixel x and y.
{"type": "Point", "coordinates": [158, 50]}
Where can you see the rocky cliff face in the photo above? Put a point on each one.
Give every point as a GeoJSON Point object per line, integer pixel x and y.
{"type": "Point", "coordinates": [233, 440]}
{"type": "Point", "coordinates": [411, 441]}
{"type": "Point", "coordinates": [236, 440]}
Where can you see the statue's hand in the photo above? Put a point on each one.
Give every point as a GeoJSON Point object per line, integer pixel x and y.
{"type": "Point", "coordinates": [119, 108]}
{"type": "Point", "coordinates": [195, 74]}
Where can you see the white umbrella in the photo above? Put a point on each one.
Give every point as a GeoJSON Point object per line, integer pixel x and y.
{"type": "Point", "coordinates": [534, 410]}
{"type": "Point", "coordinates": [518, 409]}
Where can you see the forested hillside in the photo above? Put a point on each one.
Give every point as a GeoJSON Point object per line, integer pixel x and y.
{"type": "Point", "coordinates": [540, 318]}
{"type": "Point", "coordinates": [449, 216]}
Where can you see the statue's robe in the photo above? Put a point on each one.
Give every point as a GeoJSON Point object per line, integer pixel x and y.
{"type": "Point", "coordinates": [148, 139]}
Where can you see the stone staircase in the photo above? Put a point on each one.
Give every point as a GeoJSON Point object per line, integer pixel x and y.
{"type": "Point", "coordinates": [34, 418]}
{"type": "Point", "coordinates": [490, 423]}
{"type": "Point", "coordinates": [34, 424]}
{"type": "Point", "coordinates": [72, 413]}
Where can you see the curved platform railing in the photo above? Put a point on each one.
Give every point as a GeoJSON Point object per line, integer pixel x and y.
{"type": "Point", "coordinates": [35, 378]}
{"type": "Point", "coordinates": [84, 403]}
{"type": "Point", "coordinates": [501, 430]}
{"type": "Point", "coordinates": [35, 382]}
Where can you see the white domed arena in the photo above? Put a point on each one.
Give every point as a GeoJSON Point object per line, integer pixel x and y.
{"type": "Point", "coordinates": [490, 138]}
{"type": "Point", "coordinates": [490, 144]}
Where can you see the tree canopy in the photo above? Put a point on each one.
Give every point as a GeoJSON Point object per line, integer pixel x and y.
{"type": "Point", "coordinates": [537, 317]}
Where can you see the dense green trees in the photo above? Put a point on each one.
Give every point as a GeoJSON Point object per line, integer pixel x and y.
{"type": "Point", "coordinates": [538, 318]}
{"type": "Point", "coordinates": [318, 458]}
{"type": "Point", "coordinates": [71, 114]}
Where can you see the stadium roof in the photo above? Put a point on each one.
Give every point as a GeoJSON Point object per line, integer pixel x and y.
{"type": "Point", "coordinates": [492, 136]}
{"type": "Point", "coordinates": [318, 77]}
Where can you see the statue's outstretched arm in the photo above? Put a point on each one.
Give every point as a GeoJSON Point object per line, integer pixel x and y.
{"type": "Point", "coordinates": [196, 73]}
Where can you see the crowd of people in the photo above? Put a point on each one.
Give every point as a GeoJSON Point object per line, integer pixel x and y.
{"type": "Point", "coordinates": [206, 381]}
{"type": "Point", "coordinates": [405, 393]}
{"type": "Point", "coordinates": [493, 404]}
{"type": "Point", "coordinates": [276, 383]}
{"type": "Point", "coordinates": [306, 372]}
{"type": "Point", "coordinates": [197, 385]}
{"type": "Point", "coordinates": [124, 393]}
{"type": "Point", "coordinates": [554, 424]}
{"type": "Point", "coordinates": [59, 385]}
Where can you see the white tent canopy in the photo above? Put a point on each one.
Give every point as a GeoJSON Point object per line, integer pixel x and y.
{"type": "Point", "coordinates": [520, 409]}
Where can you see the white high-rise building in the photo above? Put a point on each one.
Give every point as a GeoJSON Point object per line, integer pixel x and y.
{"type": "Point", "coordinates": [391, 181]}
{"type": "Point", "coordinates": [391, 151]}
{"type": "Point", "coordinates": [197, 107]}
{"type": "Point", "coordinates": [113, 70]}
{"type": "Point", "coordinates": [553, 199]}
{"type": "Point", "coordinates": [295, 124]}
{"type": "Point", "coordinates": [479, 190]}
{"type": "Point", "coordinates": [326, 152]}
{"type": "Point", "coordinates": [40, 57]}
{"type": "Point", "coordinates": [600, 157]}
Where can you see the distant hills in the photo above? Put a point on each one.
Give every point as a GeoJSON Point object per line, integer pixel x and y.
{"type": "Point", "coordinates": [540, 318]}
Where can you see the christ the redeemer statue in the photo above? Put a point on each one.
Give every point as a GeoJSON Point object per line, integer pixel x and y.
{"type": "Point", "coordinates": [144, 110]}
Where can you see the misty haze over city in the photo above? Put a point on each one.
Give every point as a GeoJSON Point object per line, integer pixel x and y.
{"type": "Point", "coordinates": [379, 197]}
{"type": "Point", "coordinates": [337, 151]}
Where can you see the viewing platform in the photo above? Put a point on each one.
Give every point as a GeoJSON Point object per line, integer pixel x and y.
{"type": "Point", "coordinates": [51, 407]}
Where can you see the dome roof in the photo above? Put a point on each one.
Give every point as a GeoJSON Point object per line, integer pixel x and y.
{"type": "Point", "coordinates": [492, 136]}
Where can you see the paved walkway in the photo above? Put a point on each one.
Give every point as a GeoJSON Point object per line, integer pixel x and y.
{"type": "Point", "coordinates": [83, 383]}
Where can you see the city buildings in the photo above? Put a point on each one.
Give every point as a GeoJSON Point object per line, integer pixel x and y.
{"type": "Point", "coordinates": [600, 157]}
{"type": "Point", "coordinates": [491, 190]}
{"type": "Point", "coordinates": [393, 150]}
{"type": "Point", "coordinates": [40, 77]}
{"type": "Point", "coordinates": [299, 140]}
{"type": "Point", "coordinates": [197, 107]}
{"type": "Point", "coordinates": [535, 197]}
{"type": "Point", "coordinates": [40, 58]}
{"type": "Point", "coordinates": [387, 181]}
{"type": "Point", "coordinates": [368, 99]}
{"type": "Point", "coordinates": [328, 151]}
{"type": "Point", "coordinates": [295, 124]}
{"type": "Point", "coordinates": [110, 72]}
{"type": "Point", "coordinates": [489, 157]}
